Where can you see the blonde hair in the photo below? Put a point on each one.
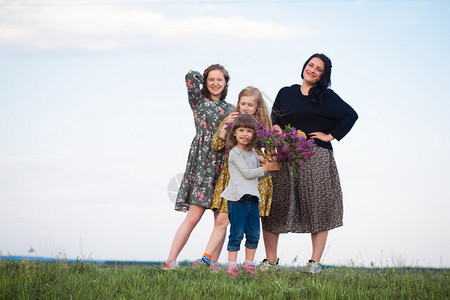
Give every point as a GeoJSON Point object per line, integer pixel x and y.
{"type": "Point", "coordinates": [261, 113]}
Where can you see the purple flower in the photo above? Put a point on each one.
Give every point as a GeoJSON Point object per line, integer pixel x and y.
{"type": "Point", "coordinates": [228, 126]}
{"type": "Point", "coordinates": [261, 126]}
{"type": "Point", "coordinates": [288, 146]}
{"type": "Point", "coordinates": [278, 144]}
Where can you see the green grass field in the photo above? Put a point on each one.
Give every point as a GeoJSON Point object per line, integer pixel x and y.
{"type": "Point", "coordinates": [27, 279]}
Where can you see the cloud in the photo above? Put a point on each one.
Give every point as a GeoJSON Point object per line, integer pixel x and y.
{"type": "Point", "coordinates": [107, 27]}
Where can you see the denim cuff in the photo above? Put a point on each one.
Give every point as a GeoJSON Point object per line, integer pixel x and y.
{"type": "Point", "coordinates": [234, 248]}
{"type": "Point", "coordinates": [251, 246]}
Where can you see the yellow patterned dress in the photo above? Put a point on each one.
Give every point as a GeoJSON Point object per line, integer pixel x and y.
{"type": "Point", "coordinates": [265, 186]}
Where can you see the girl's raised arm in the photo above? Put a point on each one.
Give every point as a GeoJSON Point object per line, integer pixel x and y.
{"type": "Point", "coordinates": [193, 81]}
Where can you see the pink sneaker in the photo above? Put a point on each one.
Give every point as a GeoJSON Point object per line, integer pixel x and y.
{"type": "Point", "coordinates": [249, 269]}
{"type": "Point", "coordinates": [214, 267]}
{"type": "Point", "coordinates": [171, 264]}
{"type": "Point", "coordinates": [233, 271]}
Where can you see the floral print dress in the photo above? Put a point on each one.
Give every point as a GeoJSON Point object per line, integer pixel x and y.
{"type": "Point", "coordinates": [204, 164]}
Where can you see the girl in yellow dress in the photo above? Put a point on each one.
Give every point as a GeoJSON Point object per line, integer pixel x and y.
{"type": "Point", "coordinates": [250, 102]}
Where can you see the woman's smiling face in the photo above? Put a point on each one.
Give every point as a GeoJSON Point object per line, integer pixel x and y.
{"type": "Point", "coordinates": [313, 71]}
{"type": "Point", "coordinates": [215, 84]}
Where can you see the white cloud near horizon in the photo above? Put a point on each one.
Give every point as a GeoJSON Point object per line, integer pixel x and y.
{"type": "Point", "coordinates": [101, 28]}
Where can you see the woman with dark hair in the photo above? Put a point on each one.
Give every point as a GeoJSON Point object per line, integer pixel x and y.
{"type": "Point", "coordinates": [311, 203]}
{"type": "Point", "coordinates": [204, 164]}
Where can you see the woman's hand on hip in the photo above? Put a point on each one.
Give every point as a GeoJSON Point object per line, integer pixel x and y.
{"type": "Point", "coordinates": [321, 136]}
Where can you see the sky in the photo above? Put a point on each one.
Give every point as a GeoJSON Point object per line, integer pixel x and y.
{"type": "Point", "coordinates": [95, 121]}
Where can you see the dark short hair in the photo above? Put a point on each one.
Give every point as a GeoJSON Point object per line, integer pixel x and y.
{"type": "Point", "coordinates": [246, 121]}
{"type": "Point", "coordinates": [205, 90]}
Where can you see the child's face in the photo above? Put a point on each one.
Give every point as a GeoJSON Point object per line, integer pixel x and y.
{"type": "Point", "coordinates": [248, 105]}
{"type": "Point", "coordinates": [243, 136]}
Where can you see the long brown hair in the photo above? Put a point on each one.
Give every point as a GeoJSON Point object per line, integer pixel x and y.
{"type": "Point", "coordinates": [205, 90]}
{"type": "Point", "coordinates": [261, 114]}
{"type": "Point", "coordinates": [245, 121]}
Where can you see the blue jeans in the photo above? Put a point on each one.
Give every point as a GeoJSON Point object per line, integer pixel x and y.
{"type": "Point", "coordinates": [244, 218]}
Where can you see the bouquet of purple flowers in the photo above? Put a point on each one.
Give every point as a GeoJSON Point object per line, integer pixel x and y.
{"type": "Point", "coordinates": [290, 146]}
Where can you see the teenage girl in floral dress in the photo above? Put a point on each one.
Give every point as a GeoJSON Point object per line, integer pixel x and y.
{"type": "Point", "coordinates": [250, 102]}
{"type": "Point", "coordinates": [204, 164]}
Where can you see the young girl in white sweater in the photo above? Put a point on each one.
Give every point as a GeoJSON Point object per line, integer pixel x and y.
{"type": "Point", "coordinates": [242, 192]}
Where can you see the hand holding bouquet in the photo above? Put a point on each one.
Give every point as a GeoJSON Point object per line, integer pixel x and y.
{"type": "Point", "coordinates": [290, 146]}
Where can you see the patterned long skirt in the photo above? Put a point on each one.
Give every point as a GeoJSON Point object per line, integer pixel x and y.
{"type": "Point", "coordinates": [310, 203]}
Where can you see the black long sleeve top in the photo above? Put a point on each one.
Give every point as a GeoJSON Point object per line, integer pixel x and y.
{"type": "Point", "coordinates": [332, 115]}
